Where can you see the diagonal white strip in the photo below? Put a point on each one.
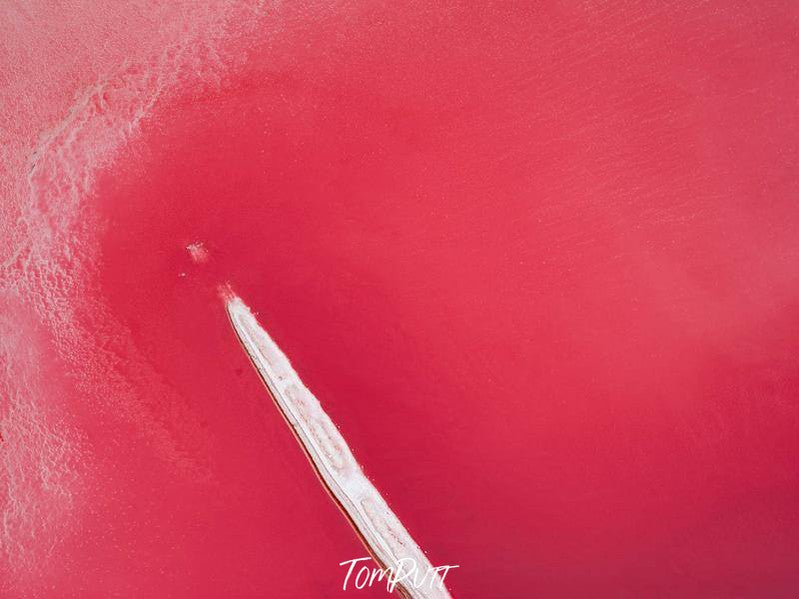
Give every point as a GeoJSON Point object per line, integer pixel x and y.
{"type": "Point", "coordinates": [382, 532]}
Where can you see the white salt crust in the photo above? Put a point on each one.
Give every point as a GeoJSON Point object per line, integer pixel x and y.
{"type": "Point", "coordinates": [380, 529]}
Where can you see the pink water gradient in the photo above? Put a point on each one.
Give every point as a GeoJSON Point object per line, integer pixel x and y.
{"type": "Point", "coordinates": [539, 265]}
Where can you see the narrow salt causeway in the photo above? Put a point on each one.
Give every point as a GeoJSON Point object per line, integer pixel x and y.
{"type": "Point", "coordinates": [379, 528]}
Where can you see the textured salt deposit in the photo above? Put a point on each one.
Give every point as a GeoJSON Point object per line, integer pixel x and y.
{"type": "Point", "coordinates": [197, 252]}
{"type": "Point", "coordinates": [48, 162]}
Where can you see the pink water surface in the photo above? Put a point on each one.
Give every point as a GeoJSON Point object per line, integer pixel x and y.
{"type": "Point", "coordinates": [538, 263]}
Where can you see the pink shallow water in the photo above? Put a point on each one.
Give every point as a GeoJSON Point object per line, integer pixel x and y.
{"type": "Point", "coordinates": [539, 265]}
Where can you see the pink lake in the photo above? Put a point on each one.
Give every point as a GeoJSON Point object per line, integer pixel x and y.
{"type": "Point", "coordinates": [538, 264]}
